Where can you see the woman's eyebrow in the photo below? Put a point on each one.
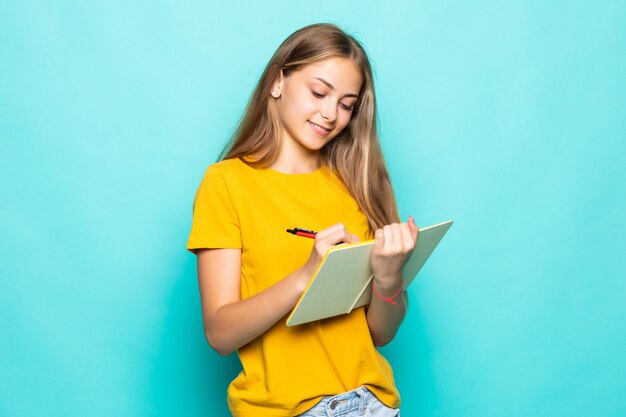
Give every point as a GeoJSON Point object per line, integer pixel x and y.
{"type": "Point", "coordinates": [333, 87]}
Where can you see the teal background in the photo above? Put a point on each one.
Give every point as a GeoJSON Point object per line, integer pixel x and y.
{"type": "Point", "coordinates": [508, 117]}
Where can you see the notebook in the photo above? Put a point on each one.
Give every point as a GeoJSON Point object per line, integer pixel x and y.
{"type": "Point", "coordinates": [343, 279]}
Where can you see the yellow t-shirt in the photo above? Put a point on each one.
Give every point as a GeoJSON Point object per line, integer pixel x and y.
{"type": "Point", "coordinates": [287, 370]}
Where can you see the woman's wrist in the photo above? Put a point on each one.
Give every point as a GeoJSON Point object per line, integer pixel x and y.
{"type": "Point", "coordinates": [388, 295]}
{"type": "Point", "coordinates": [302, 278]}
{"type": "Point", "coordinates": [388, 283]}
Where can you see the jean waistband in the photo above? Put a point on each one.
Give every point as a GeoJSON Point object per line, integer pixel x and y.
{"type": "Point", "coordinates": [343, 403]}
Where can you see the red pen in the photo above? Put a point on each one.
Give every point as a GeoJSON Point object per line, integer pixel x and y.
{"type": "Point", "coordinates": [298, 231]}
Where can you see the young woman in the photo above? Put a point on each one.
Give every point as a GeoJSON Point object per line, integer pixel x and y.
{"type": "Point", "coordinates": [305, 154]}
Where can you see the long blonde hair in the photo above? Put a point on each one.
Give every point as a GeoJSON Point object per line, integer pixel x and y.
{"type": "Point", "coordinates": [354, 155]}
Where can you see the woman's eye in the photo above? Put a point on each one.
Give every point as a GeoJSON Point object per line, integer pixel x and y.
{"type": "Point", "coordinates": [316, 94]}
{"type": "Point", "coordinates": [346, 107]}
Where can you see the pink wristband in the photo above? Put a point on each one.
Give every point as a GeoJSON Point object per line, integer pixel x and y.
{"type": "Point", "coordinates": [388, 299]}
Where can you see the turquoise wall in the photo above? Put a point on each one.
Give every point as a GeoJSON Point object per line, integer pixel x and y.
{"type": "Point", "coordinates": [508, 117]}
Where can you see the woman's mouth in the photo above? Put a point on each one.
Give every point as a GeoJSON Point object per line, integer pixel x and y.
{"type": "Point", "coordinates": [319, 130]}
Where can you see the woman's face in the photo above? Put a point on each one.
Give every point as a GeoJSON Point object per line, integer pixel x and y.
{"type": "Point", "coordinates": [316, 102]}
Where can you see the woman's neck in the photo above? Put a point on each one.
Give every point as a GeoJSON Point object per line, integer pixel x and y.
{"type": "Point", "coordinates": [292, 160]}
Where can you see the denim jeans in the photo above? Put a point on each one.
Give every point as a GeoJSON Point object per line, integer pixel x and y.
{"type": "Point", "coordinates": [359, 402]}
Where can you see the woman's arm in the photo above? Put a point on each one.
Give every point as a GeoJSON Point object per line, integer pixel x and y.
{"type": "Point", "coordinates": [230, 322]}
{"type": "Point", "coordinates": [393, 246]}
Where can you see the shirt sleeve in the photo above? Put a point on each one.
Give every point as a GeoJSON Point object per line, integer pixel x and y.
{"type": "Point", "coordinates": [215, 222]}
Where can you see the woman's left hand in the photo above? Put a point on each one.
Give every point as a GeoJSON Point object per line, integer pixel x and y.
{"type": "Point", "coordinates": [392, 248]}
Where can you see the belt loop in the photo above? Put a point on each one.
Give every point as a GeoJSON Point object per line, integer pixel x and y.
{"type": "Point", "coordinates": [328, 409]}
{"type": "Point", "coordinates": [362, 404]}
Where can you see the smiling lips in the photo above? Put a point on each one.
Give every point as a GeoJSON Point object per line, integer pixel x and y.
{"type": "Point", "coordinates": [321, 131]}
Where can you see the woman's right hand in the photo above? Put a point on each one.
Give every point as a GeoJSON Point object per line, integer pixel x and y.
{"type": "Point", "coordinates": [324, 240]}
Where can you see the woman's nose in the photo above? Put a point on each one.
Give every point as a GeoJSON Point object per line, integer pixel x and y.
{"type": "Point", "coordinates": [329, 111]}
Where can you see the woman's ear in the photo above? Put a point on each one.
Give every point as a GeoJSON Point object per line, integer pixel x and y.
{"type": "Point", "coordinates": [277, 86]}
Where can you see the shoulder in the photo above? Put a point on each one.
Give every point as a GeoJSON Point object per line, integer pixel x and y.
{"type": "Point", "coordinates": [227, 166]}
{"type": "Point", "coordinates": [225, 170]}
{"type": "Point", "coordinates": [221, 181]}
